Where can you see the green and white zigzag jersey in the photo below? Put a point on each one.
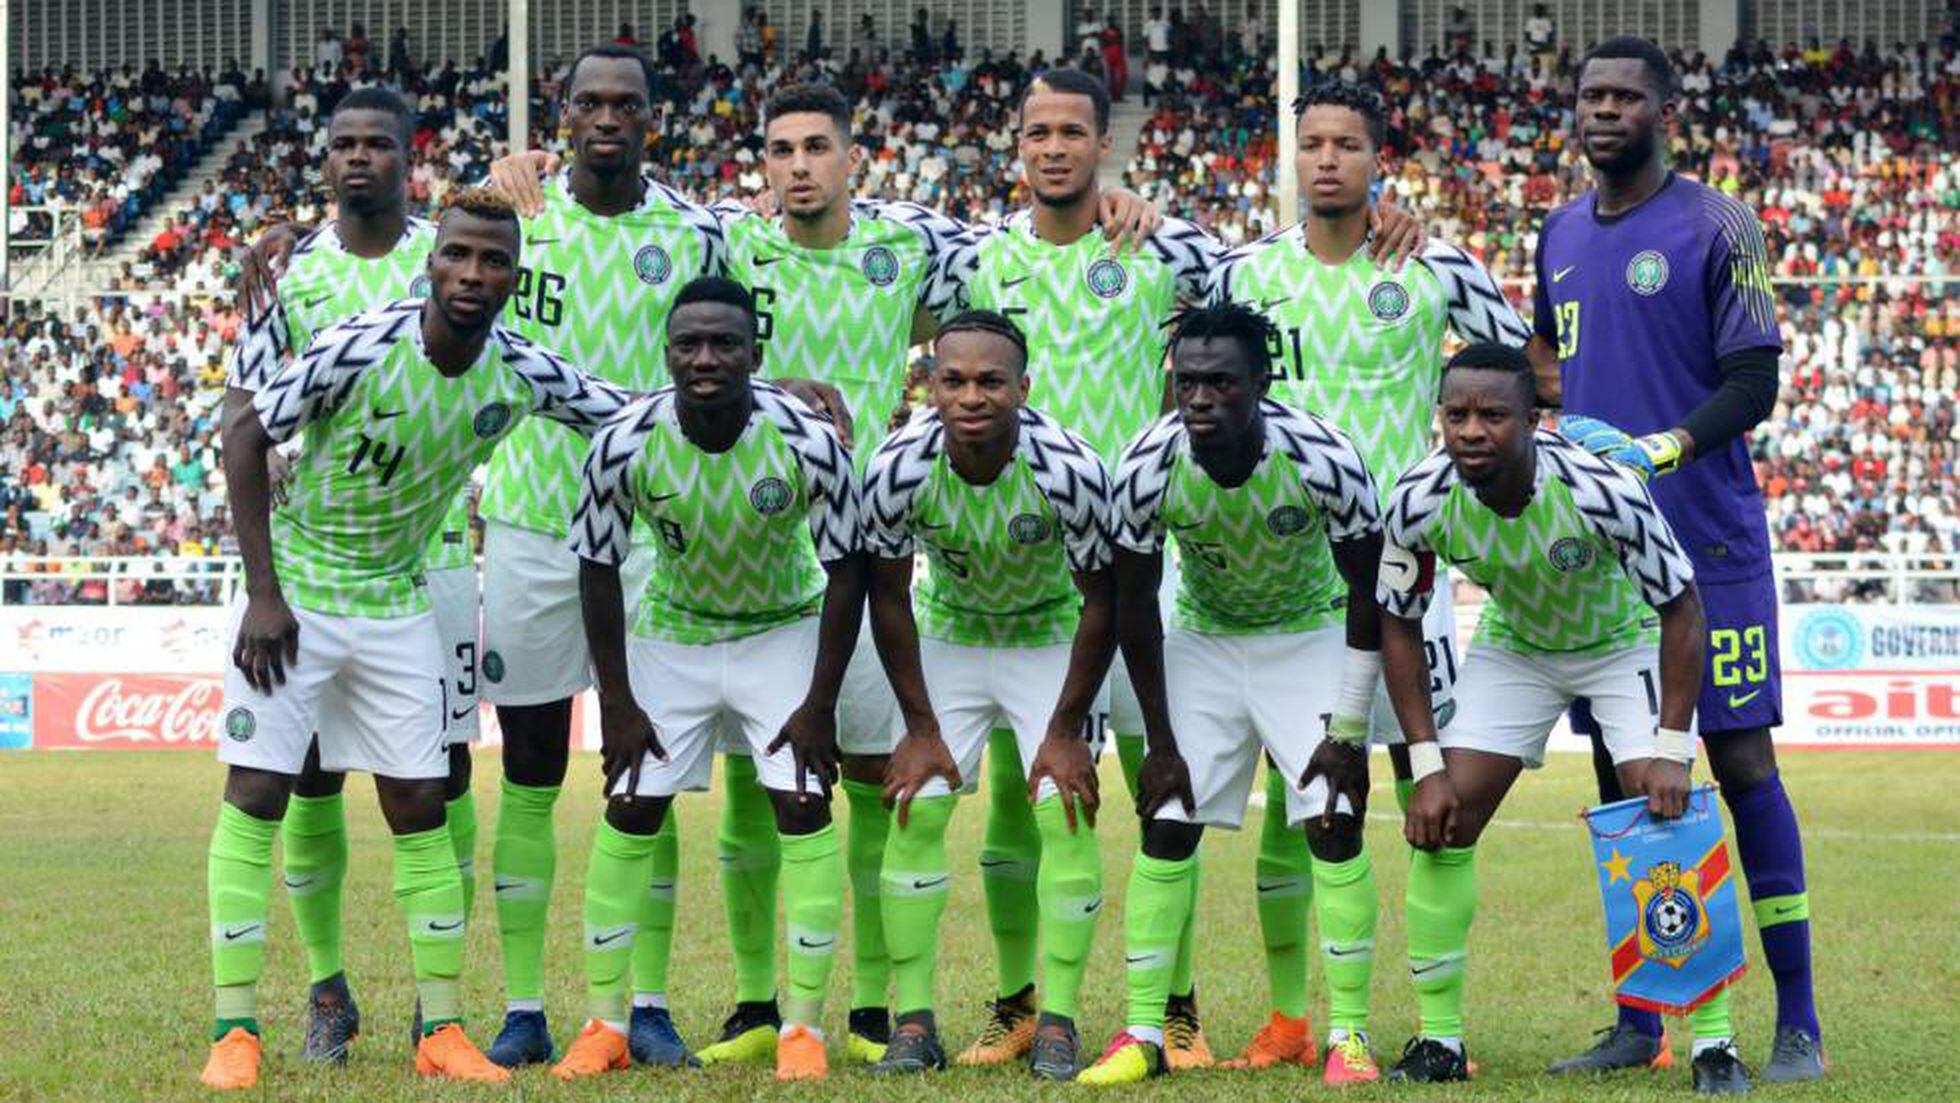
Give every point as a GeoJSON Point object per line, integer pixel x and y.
{"type": "Point", "coordinates": [843, 315]}
{"type": "Point", "coordinates": [1577, 571]}
{"type": "Point", "coordinates": [742, 534]}
{"type": "Point", "coordinates": [1363, 346]}
{"type": "Point", "coordinates": [390, 441]}
{"type": "Point", "coordinates": [1254, 559]}
{"type": "Point", "coordinates": [597, 289]}
{"type": "Point", "coordinates": [998, 556]}
{"type": "Point", "coordinates": [324, 284]}
{"type": "Point", "coordinates": [1096, 321]}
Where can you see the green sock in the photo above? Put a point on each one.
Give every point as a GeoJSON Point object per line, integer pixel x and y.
{"type": "Point", "coordinates": [813, 900]}
{"type": "Point", "coordinates": [1404, 789]}
{"type": "Point", "coordinates": [1182, 982]}
{"type": "Point", "coordinates": [1441, 902]}
{"type": "Point", "coordinates": [616, 877]}
{"type": "Point", "coordinates": [1284, 881]}
{"type": "Point", "coordinates": [1010, 858]}
{"type": "Point", "coordinates": [315, 837]}
{"type": "Point", "coordinates": [913, 895]}
{"type": "Point", "coordinates": [1070, 890]}
{"type": "Point", "coordinates": [1711, 1020]}
{"type": "Point", "coordinates": [653, 946]}
{"type": "Point", "coordinates": [1345, 904]}
{"type": "Point", "coordinates": [522, 863]}
{"type": "Point", "coordinates": [1159, 899]}
{"type": "Point", "coordinates": [864, 855]}
{"type": "Point", "coordinates": [239, 878]}
{"type": "Point", "coordinates": [462, 836]}
{"type": "Point", "coordinates": [430, 891]}
{"type": "Point", "coordinates": [1129, 755]}
{"type": "Point", "coordinates": [750, 857]}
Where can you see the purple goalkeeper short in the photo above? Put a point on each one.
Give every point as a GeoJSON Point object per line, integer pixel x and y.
{"type": "Point", "coordinates": [1742, 679]}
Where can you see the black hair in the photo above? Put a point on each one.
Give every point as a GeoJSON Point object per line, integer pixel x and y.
{"type": "Point", "coordinates": [716, 289]}
{"type": "Point", "coordinates": [986, 321]}
{"type": "Point", "coordinates": [1360, 99]}
{"type": "Point", "coordinates": [814, 99]}
{"type": "Point", "coordinates": [385, 100]}
{"type": "Point", "coordinates": [1235, 321]}
{"type": "Point", "coordinates": [1660, 70]}
{"type": "Point", "coordinates": [1491, 356]}
{"type": "Point", "coordinates": [1072, 82]}
{"type": "Point", "coordinates": [616, 52]}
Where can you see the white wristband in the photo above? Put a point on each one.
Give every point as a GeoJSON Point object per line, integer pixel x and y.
{"type": "Point", "coordinates": [1359, 673]}
{"type": "Point", "coordinates": [1675, 746]}
{"type": "Point", "coordinates": [1425, 759]}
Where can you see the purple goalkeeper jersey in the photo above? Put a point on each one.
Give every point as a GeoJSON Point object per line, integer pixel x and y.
{"type": "Point", "coordinates": [1641, 306]}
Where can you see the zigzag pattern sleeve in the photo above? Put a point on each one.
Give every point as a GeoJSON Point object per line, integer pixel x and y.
{"type": "Point", "coordinates": [566, 395]}
{"type": "Point", "coordinates": [955, 265]}
{"type": "Point", "coordinates": [831, 483]}
{"type": "Point", "coordinates": [1191, 254]}
{"type": "Point", "coordinates": [1620, 509]}
{"type": "Point", "coordinates": [1407, 578]}
{"type": "Point", "coordinates": [602, 521]}
{"type": "Point", "coordinates": [1477, 307]}
{"type": "Point", "coordinates": [314, 386]}
{"type": "Point", "coordinates": [941, 235]}
{"type": "Point", "coordinates": [1072, 477]}
{"type": "Point", "coordinates": [1331, 469]}
{"type": "Point", "coordinates": [1142, 476]}
{"type": "Point", "coordinates": [714, 243]}
{"type": "Point", "coordinates": [1218, 282]}
{"type": "Point", "coordinates": [262, 345]}
{"type": "Point", "coordinates": [891, 483]}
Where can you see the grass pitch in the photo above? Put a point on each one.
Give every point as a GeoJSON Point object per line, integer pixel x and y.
{"type": "Point", "coordinates": [104, 973]}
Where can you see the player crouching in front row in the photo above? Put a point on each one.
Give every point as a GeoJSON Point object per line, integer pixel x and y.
{"type": "Point", "coordinates": [1576, 560]}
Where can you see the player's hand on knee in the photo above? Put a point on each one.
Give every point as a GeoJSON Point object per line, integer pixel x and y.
{"type": "Point", "coordinates": [1397, 234]}
{"type": "Point", "coordinates": [1431, 821]}
{"type": "Point", "coordinates": [1343, 764]}
{"type": "Point", "coordinates": [268, 642]}
{"type": "Point", "coordinates": [626, 737]}
{"type": "Point", "coordinates": [1162, 778]}
{"type": "Point", "coordinates": [1064, 760]}
{"type": "Point", "coordinates": [260, 265]}
{"type": "Point", "coordinates": [517, 175]}
{"type": "Point", "coordinates": [1128, 219]}
{"type": "Point", "coordinates": [1665, 784]}
{"type": "Point", "coordinates": [919, 757]}
{"type": "Point", "coordinates": [810, 733]}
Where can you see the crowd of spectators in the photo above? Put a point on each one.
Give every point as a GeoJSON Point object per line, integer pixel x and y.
{"type": "Point", "coordinates": [106, 418]}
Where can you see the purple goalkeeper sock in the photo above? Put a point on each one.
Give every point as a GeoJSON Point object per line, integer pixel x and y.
{"type": "Point", "coordinates": [1771, 851]}
{"type": "Point", "coordinates": [1646, 1023]}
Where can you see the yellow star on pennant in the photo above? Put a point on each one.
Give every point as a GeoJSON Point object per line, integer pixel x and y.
{"type": "Point", "coordinates": [1616, 867]}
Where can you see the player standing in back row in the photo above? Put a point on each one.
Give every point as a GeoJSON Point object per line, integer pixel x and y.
{"type": "Point", "coordinates": [1359, 343]}
{"type": "Point", "coordinates": [1654, 291]}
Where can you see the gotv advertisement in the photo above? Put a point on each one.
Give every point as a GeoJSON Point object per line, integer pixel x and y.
{"type": "Point", "coordinates": [1871, 675]}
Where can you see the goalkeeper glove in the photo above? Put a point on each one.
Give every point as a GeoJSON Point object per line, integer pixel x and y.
{"type": "Point", "coordinates": [1648, 456]}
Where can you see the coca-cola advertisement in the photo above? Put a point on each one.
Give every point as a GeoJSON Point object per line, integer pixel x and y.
{"type": "Point", "coordinates": [127, 711]}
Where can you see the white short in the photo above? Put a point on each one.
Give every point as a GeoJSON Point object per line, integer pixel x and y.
{"type": "Point", "coordinates": [533, 629]}
{"type": "Point", "coordinates": [459, 621]}
{"type": "Point", "coordinates": [867, 710]}
{"type": "Point", "coordinates": [1507, 702]}
{"type": "Point", "coordinates": [977, 689]}
{"type": "Point", "coordinates": [1232, 696]}
{"type": "Point", "coordinates": [373, 688]}
{"type": "Point", "coordinates": [1439, 648]}
{"type": "Point", "coordinates": [746, 687]}
{"type": "Point", "coordinates": [1125, 714]}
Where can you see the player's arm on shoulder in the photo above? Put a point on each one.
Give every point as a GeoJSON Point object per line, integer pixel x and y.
{"type": "Point", "coordinates": [1478, 308]}
{"type": "Point", "coordinates": [564, 393]}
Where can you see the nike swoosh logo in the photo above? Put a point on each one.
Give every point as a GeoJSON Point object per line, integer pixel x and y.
{"type": "Point", "coordinates": [764, 262]}
{"type": "Point", "coordinates": [1737, 702]}
{"type": "Point", "coordinates": [1091, 909]}
{"type": "Point", "coordinates": [1263, 887]}
{"type": "Point", "coordinates": [300, 883]}
{"type": "Point", "coordinates": [235, 935]}
{"type": "Point", "coordinates": [1429, 968]}
{"type": "Point", "coordinates": [995, 863]}
{"type": "Point", "coordinates": [1268, 304]}
{"type": "Point", "coordinates": [458, 714]}
{"type": "Point", "coordinates": [929, 882]}
{"type": "Point", "coordinates": [456, 926]}
{"type": "Point", "coordinates": [1015, 282]}
{"type": "Point", "coordinates": [1134, 958]}
{"type": "Point", "coordinates": [1787, 909]}
{"type": "Point", "coordinates": [540, 241]}
{"type": "Point", "coordinates": [652, 498]}
{"type": "Point", "coordinates": [607, 939]}
{"type": "Point", "coordinates": [314, 302]}
{"type": "Point", "coordinates": [1333, 951]}
{"type": "Point", "coordinates": [809, 945]}
{"type": "Point", "coordinates": [1563, 272]}
{"type": "Point", "coordinates": [927, 526]}
{"type": "Point", "coordinates": [506, 886]}
{"type": "Point", "coordinates": [388, 415]}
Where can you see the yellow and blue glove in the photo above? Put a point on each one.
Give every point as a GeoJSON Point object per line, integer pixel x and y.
{"type": "Point", "coordinates": [1648, 456]}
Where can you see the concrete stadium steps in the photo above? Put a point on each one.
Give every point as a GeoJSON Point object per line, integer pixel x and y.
{"type": "Point", "coordinates": [1126, 122]}
{"type": "Point", "coordinates": [208, 167]}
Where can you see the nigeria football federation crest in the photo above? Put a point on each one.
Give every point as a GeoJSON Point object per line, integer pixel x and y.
{"type": "Point", "coordinates": [1107, 278]}
{"type": "Point", "coordinates": [880, 265]}
{"type": "Point", "coordinates": [1647, 272]}
{"type": "Point", "coordinates": [418, 288]}
{"type": "Point", "coordinates": [1671, 913]}
{"type": "Point", "coordinates": [491, 420]}
{"type": "Point", "coordinates": [652, 265]}
{"type": "Point", "coordinates": [1028, 528]}
{"type": "Point", "coordinates": [240, 724]}
{"type": "Point", "coordinates": [1570, 554]}
{"type": "Point", "coordinates": [1286, 520]}
{"type": "Point", "coordinates": [770, 495]}
{"type": "Point", "coordinates": [1388, 301]}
